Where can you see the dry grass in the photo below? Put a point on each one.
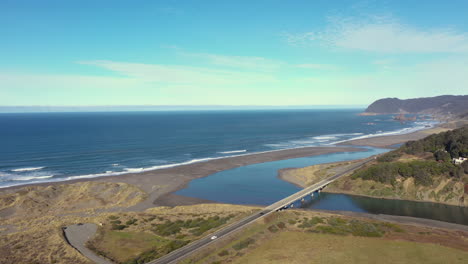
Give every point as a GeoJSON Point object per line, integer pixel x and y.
{"type": "Point", "coordinates": [202, 209]}
{"type": "Point", "coordinates": [323, 248]}
{"type": "Point", "coordinates": [312, 237]}
{"type": "Point", "coordinates": [312, 174]}
{"type": "Point", "coordinates": [142, 238]}
{"type": "Point", "coordinates": [126, 245]}
{"type": "Point", "coordinates": [35, 217]}
{"type": "Point", "coordinates": [39, 240]}
{"type": "Point", "coordinates": [443, 190]}
{"type": "Point", "coordinates": [70, 197]}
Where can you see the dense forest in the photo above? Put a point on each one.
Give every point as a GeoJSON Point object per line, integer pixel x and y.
{"type": "Point", "coordinates": [434, 158]}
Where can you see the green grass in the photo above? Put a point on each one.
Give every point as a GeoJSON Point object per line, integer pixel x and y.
{"type": "Point", "coordinates": [243, 244]}
{"type": "Point", "coordinates": [288, 247]}
{"type": "Point", "coordinates": [126, 245]}
{"type": "Point", "coordinates": [196, 226]}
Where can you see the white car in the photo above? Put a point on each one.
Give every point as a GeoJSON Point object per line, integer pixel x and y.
{"type": "Point", "coordinates": [214, 237]}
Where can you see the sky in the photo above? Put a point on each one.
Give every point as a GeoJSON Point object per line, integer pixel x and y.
{"type": "Point", "coordinates": [219, 52]}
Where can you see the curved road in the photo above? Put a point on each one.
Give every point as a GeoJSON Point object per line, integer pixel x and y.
{"type": "Point", "coordinates": [77, 235]}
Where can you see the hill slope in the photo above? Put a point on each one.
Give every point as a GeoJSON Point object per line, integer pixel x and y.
{"type": "Point", "coordinates": [419, 170]}
{"type": "Point", "coordinates": [445, 104]}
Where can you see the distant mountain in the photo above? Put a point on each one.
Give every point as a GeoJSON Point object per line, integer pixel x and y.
{"type": "Point", "coordinates": [445, 104]}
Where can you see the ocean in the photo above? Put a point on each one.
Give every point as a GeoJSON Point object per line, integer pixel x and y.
{"type": "Point", "coordinates": [42, 147]}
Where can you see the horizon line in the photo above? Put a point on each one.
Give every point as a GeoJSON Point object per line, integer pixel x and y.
{"type": "Point", "coordinates": [120, 108]}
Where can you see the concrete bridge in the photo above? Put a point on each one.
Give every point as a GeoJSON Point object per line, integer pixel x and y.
{"type": "Point", "coordinates": [301, 195]}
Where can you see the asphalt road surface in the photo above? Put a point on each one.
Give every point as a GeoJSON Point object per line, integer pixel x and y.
{"type": "Point", "coordinates": [78, 234]}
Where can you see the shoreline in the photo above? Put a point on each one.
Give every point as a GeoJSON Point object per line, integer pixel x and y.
{"type": "Point", "coordinates": [394, 198]}
{"type": "Point", "coordinates": [373, 141]}
{"type": "Point", "coordinates": [159, 183]}
{"type": "Point", "coordinates": [390, 140]}
{"type": "Point", "coordinates": [399, 219]}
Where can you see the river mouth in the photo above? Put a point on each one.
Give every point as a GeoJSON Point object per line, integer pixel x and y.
{"type": "Point", "coordinates": [258, 184]}
{"type": "Point", "coordinates": [362, 204]}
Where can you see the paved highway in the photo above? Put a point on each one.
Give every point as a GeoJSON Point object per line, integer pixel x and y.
{"type": "Point", "coordinates": [183, 252]}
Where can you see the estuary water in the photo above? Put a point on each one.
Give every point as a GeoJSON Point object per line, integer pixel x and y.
{"type": "Point", "coordinates": [344, 202]}
{"type": "Point", "coordinates": [259, 184]}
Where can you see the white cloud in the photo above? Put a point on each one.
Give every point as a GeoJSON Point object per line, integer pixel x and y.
{"type": "Point", "coordinates": [240, 62]}
{"type": "Point", "coordinates": [159, 84]}
{"type": "Point", "coordinates": [177, 74]}
{"type": "Point", "coordinates": [383, 35]}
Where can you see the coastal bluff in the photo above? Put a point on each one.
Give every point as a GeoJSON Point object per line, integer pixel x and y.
{"type": "Point", "coordinates": [439, 105]}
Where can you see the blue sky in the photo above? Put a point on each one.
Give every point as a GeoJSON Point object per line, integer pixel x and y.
{"type": "Point", "coordinates": [83, 53]}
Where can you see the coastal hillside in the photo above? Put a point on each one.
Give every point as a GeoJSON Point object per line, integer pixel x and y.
{"type": "Point", "coordinates": [431, 169]}
{"type": "Point", "coordinates": [441, 105]}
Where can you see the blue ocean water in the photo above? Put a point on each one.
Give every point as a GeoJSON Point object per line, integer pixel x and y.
{"type": "Point", "coordinates": [38, 147]}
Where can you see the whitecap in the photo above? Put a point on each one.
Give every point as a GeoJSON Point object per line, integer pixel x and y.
{"type": "Point", "coordinates": [232, 151]}
{"type": "Point", "coordinates": [28, 169]}
{"type": "Point", "coordinates": [32, 178]}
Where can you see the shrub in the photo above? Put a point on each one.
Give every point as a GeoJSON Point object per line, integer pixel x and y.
{"type": "Point", "coordinates": [336, 221]}
{"type": "Point", "coordinates": [131, 222]}
{"type": "Point", "coordinates": [119, 227]}
{"type": "Point", "coordinates": [360, 228]}
{"type": "Point", "coordinates": [273, 229]}
{"type": "Point", "coordinates": [316, 220]}
{"type": "Point", "coordinates": [331, 230]}
{"type": "Point", "coordinates": [243, 244]}
{"type": "Point", "coordinates": [281, 225]}
{"type": "Point", "coordinates": [223, 253]}
{"type": "Point", "coordinates": [175, 244]}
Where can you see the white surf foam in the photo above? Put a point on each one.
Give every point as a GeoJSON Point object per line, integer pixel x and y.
{"type": "Point", "coordinates": [140, 170]}
{"type": "Point", "coordinates": [28, 169]}
{"type": "Point", "coordinates": [313, 141]}
{"type": "Point", "coordinates": [407, 130]}
{"type": "Point", "coordinates": [233, 151]}
{"type": "Point", "coordinates": [32, 178]}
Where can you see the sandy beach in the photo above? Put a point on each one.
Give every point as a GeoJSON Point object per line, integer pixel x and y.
{"type": "Point", "coordinates": [388, 141]}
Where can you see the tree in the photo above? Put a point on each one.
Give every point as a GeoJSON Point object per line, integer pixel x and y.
{"type": "Point", "coordinates": [441, 155]}
{"type": "Point", "coordinates": [465, 166]}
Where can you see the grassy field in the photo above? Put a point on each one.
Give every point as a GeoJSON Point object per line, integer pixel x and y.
{"type": "Point", "coordinates": [140, 237]}
{"type": "Point", "coordinates": [34, 217]}
{"type": "Point", "coordinates": [329, 249]}
{"type": "Point", "coordinates": [125, 245]}
{"type": "Point", "coordinates": [312, 174]}
{"type": "Point", "coordinates": [312, 237]}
